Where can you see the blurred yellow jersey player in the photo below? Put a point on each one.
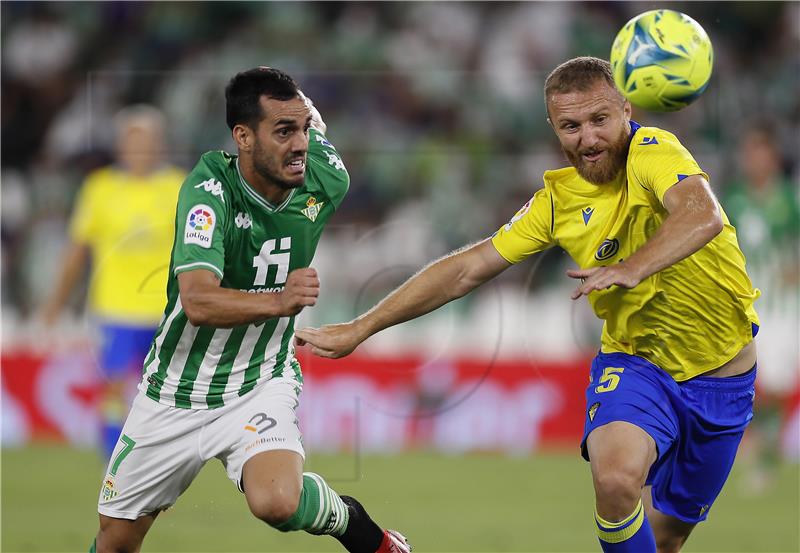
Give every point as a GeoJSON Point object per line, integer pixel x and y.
{"type": "Point", "coordinates": [123, 225]}
{"type": "Point", "coordinates": [601, 225]}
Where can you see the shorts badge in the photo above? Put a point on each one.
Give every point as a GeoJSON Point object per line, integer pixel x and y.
{"type": "Point", "coordinates": [593, 410]}
{"type": "Point", "coordinates": [109, 490]}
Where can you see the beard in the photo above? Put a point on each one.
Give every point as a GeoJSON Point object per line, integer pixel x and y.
{"type": "Point", "coordinates": [268, 169]}
{"type": "Point", "coordinates": [604, 171]}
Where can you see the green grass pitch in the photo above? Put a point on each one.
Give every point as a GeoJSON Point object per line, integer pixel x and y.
{"type": "Point", "coordinates": [442, 503]}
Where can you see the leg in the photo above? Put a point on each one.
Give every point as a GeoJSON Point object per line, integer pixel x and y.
{"type": "Point", "coordinates": [278, 493]}
{"type": "Point", "coordinates": [670, 532]}
{"type": "Point", "coordinates": [119, 535]}
{"type": "Point", "coordinates": [621, 455]}
{"type": "Point", "coordinates": [273, 482]}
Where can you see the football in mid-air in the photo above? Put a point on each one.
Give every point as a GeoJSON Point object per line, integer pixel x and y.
{"type": "Point", "coordinates": [662, 60]}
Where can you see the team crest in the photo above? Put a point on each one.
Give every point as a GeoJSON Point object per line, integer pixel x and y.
{"type": "Point", "coordinates": [312, 208]}
{"type": "Point", "coordinates": [593, 410]}
{"type": "Point", "coordinates": [109, 490]}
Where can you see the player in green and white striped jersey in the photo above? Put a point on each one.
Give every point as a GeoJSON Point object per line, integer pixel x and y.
{"type": "Point", "coordinates": [221, 379]}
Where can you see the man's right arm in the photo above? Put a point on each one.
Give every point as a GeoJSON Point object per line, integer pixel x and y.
{"type": "Point", "coordinates": [206, 303]}
{"type": "Point", "coordinates": [442, 281]}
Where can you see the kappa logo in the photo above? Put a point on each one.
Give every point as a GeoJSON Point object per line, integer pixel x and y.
{"type": "Point", "coordinates": [587, 214]}
{"type": "Point", "coordinates": [213, 186]}
{"type": "Point", "coordinates": [200, 225]}
{"type": "Point", "coordinates": [312, 209]}
{"type": "Point", "coordinates": [334, 160]}
{"type": "Point", "coordinates": [592, 410]}
{"type": "Point", "coordinates": [243, 220]}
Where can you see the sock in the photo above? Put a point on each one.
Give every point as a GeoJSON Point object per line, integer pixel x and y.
{"type": "Point", "coordinates": [320, 511]}
{"type": "Point", "coordinates": [630, 535]}
{"type": "Point", "coordinates": [362, 535]}
{"type": "Point", "coordinates": [93, 548]}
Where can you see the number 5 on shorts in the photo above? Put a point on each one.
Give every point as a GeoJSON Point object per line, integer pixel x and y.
{"type": "Point", "coordinates": [129, 445]}
{"type": "Point", "coordinates": [609, 380]}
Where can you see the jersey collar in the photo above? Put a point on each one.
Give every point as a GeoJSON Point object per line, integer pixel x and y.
{"type": "Point", "coordinates": [258, 198]}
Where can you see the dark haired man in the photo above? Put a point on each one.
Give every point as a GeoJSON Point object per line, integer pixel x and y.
{"type": "Point", "coordinates": [672, 388]}
{"type": "Point", "coordinates": [221, 379]}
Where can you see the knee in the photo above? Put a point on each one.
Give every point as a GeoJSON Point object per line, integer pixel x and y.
{"type": "Point", "coordinates": [670, 544]}
{"type": "Point", "coordinates": [274, 506]}
{"type": "Point", "coordinates": [104, 545]}
{"type": "Point", "coordinates": [619, 485]}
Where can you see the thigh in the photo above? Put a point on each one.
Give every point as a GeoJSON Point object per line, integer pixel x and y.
{"type": "Point", "coordinates": [715, 413]}
{"type": "Point", "coordinates": [154, 461]}
{"type": "Point", "coordinates": [628, 389]}
{"type": "Point", "coordinates": [265, 421]}
{"type": "Point", "coordinates": [271, 477]}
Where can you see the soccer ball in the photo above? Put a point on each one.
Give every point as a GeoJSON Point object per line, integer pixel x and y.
{"type": "Point", "coordinates": [662, 60]}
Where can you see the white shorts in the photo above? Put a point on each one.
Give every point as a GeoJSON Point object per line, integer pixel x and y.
{"type": "Point", "coordinates": [163, 448]}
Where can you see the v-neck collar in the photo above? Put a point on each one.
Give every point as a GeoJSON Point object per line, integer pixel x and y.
{"type": "Point", "coordinates": [258, 198]}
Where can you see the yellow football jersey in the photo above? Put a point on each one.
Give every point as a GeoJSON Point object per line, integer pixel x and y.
{"type": "Point", "coordinates": [689, 318]}
{"type": "Point", "coordinates": [128, 223]}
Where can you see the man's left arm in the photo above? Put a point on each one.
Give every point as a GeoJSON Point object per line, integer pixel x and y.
{"type": "Point", "coordinates": [694, 220]}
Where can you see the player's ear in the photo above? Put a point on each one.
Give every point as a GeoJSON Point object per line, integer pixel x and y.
{"type": "Point", "coordinates": [627, 110]}
{"type": "Point", "coordinates": [243, 136]}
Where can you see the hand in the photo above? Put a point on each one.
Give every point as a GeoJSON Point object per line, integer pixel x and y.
{"type": "Point", "coordinates": [332, 341]}
{"type": "Point", "coordinates": [316, 118]}
{"type": "Point", "coordinates": [600, 278]}
{"type": "Point", "coordinates": [301, 290]}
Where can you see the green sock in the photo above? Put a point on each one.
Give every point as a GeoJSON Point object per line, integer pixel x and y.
{"type": "Point", "coordinates": [320, 511]}
{"type": "Point", "coordinates": [93, 548]}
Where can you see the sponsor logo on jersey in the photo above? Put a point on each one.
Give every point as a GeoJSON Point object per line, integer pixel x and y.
{"type": "Point", "coordinates": [607, 249]}
{"type": "Point", "coordinates": [200, 226]}
{"type": "Point", "coordinates": [324, 141]}
{"type": "Point", "coordinates": [243, 220]}
{"type": "Point", "coordinates": [260, 423]}
{"type": "Point", "coordinates": [312, 208]}
{"type": "Point", "coordinates": [518, 215]}
{"type": "Point", "coordinates": [648, 140]}
{"type": "Point", "coordinates": [213, 186]}
{"type": "Point", "coordinates": [587, 214]}
{"type": "Point", "coordinates": [593, 410]}
{"type": "Point", "coordinates": [109, 490]}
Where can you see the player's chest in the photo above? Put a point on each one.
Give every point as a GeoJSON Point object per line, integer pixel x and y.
{"type": "Point", "coordinates": [604, 230]}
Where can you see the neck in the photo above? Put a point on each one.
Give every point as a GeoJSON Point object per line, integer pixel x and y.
{"type": "Point", "coordinates": [274, 193]}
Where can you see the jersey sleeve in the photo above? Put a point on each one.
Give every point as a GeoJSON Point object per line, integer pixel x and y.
{"type": "Point", "coordinates": [529, 231]}
{"type": "Point", "coordinates": [661, 161]}
{"type": "Point", "coordinates": [327, 167]}
{"type": "Point", "coordinates": [200, 222]}
{"type": "Point", "coordinates": [85, 223]}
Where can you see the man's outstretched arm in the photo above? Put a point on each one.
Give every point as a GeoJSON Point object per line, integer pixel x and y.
{"type": "Point", "coordinates": [449, 278]}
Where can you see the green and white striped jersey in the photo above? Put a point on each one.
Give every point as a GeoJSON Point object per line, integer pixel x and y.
{"type": "Point", "coordinates": [223, 225]}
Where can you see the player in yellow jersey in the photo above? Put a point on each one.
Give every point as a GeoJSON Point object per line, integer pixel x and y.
{"type": "Point", "coordinates": [671, 389]}
{"type": "Point", "coordinates": [123, 226]}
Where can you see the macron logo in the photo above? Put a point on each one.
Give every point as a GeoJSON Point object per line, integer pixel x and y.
{"type": "Point", "coordinates": [647, 140]}
{"type": "Point", "coordinates": [587, 214]}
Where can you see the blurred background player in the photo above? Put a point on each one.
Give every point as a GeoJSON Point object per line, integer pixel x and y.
{"type": "Point", "coordinates": [762, 203]}
{"type": "Point", "coordinates": [122, 227]}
